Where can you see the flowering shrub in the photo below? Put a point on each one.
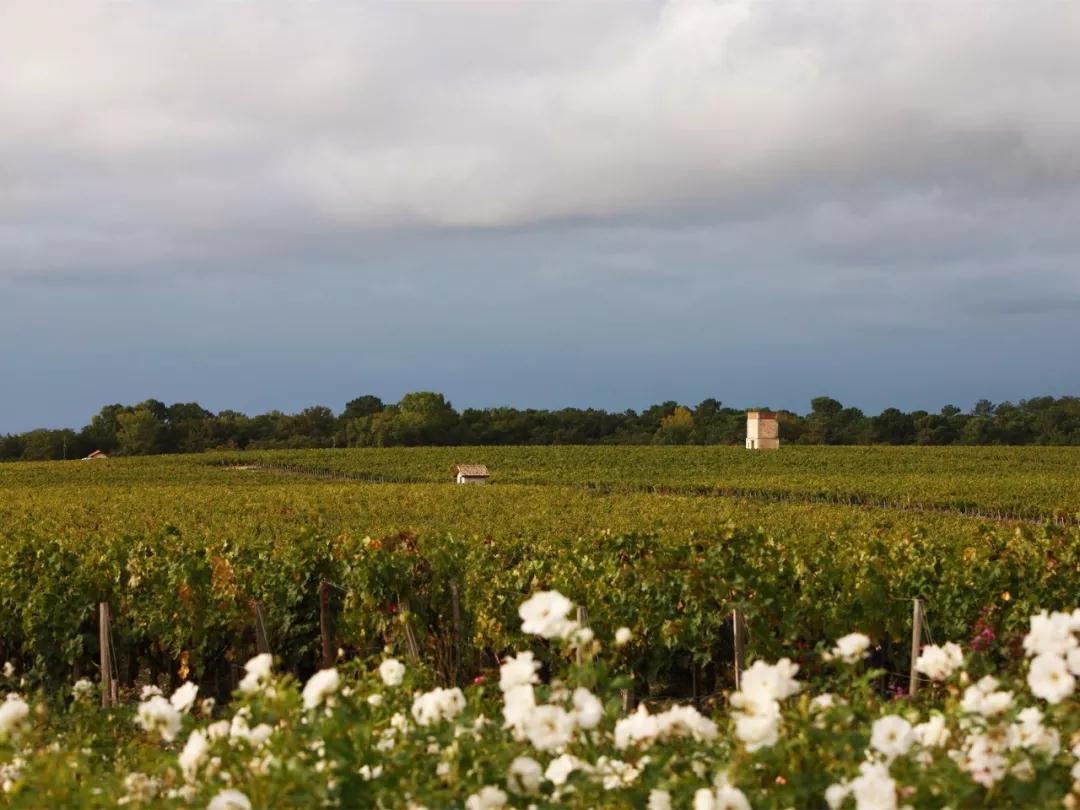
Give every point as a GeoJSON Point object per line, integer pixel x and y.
{"type": "Point", "coordinates": [552, 731]}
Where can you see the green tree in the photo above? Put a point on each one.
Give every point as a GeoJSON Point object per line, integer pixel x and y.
{"type": "Point", "coordinates": [314, 426]}
{"type": "Point", "coordinates": [427, 416]}
{"type": "Point", "coordinates": [892, 426]}
{"type": "Point", "coordinates": [707, 409]}
{"type": "Point", "coordinates": [48, 445]}
{"type": "Point", "coordinates": [139, 433]}
{"type": "Point", "coordinates": [156, 407]}
{"type": "Point", "coordinates": [229, 429]}
{"type": "Point", "coordinates": [675, 428]}
{"type": "Point", "coordinates": [187, 412]}
{"type": "Point", "coordinates": [823, 423]}
{"type": "Point", "coordinates": [100, 434]}
{"type": "Point", "coordinates": [978, 430]}
{"type": "Point", "coordinates": [366, 405]}
{"type": "Point", "coordinates": [11, 447]}
{"type": "Point", "coordinates": [792, 426]}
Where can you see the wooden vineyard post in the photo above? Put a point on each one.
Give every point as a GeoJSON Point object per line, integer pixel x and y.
{"type": "Point", "coordinates": [738, 630]}
{"type": "Point", "coordinates": [411, 644]}
{"type": "Point", "coordinates": [583, 621]}
{"type": "Point", "coordinates": [916, 643]}
{"type": "Point", "coordinates": [412, 648]}
{"type": "Point", "coordinates": [324, 624]}
{"type": "Point", "coordinates": [108, 683]}
{"type": "Point", "coordinates": [103, 647]}
{"type": "Point", "coordinates": [262, 642]}
{"type": "Point", "coordinates": [455, 605]}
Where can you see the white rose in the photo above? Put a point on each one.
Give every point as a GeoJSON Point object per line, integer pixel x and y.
{"type": "Point", "coordinates": [548, 728]}
{"type": "Point", "coordinates": [392, 672]}
{"type": "Point", "coordinates": [257, 674]}
{"type": "Point", "coordinates": [588, 710]}
{"type": "Point", "coordinates": [524, 776]}
{"type": "Point", "coordinates": [82, 689]}
{"type": "Point", "coordinates": [560, 768]}
{"type": "Point", "coordinates": [851, 648]}
{"type": "Point", "coordinates": [184, 697]}
{"type": "Point", "coordinates": [157, 714]}
{"type": "Point", "coordinates": [193, 755]}
{"type": "Point", "coordinates": [704, 800]}
{"type": "Point", "coordinates": [1049, 678]}
{"type": "Point", "coordinates": [518, 671]}
{"type": "Point", "coordinates": [13, 711]}
{"type": "Point", "coordinates": [229, 800]}
{"type": "Point", "coordinates": [320, 686]}
{"type": "Point", "coordinates": [544, 614]}
{"type": "Point", "coordinates": [1050, 634]}
{"type": "Point", "coordinates": [729, 797]}
{"type": "Point", "coordinates": [892, 736]}
{"type": "Point", "coordinates": [932, 733]}
{"type": "Point", "coordinates": [835, 795]}
{"type": "Point", "coordinates": [488, 798]}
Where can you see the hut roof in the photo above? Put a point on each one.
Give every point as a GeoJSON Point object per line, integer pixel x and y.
{"type": "Point", "coordinates": [472, 470]}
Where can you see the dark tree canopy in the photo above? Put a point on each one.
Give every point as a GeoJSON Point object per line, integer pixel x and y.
{"type": "Point", "coordinates": [428, 418]}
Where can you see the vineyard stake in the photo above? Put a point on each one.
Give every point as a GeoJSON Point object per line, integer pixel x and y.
{"type": "Point", "coordinates": [455, 604]}
{"type": "Point", "coordinates": [916, 643]}
{"type": "Point", "coordinates": [412, 648]}
{"type": "Point", "coordinates": [583, 621]}
{"type": "Point", "coordinates": [411, 645]}
{"type": "Point", "coordinates": [262, 642]}
{"type": "Point", "coordinates": [108, 688]}
{"type": "Point", "coordinates": [738, 628]}
{"type": "Point", "coordinates": [324, 623]}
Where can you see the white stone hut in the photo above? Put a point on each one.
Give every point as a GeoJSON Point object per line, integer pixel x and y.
{"type": "Point", "coordinates": [762, 431]}
{"type": "Point", "coordinates": [471, 474]}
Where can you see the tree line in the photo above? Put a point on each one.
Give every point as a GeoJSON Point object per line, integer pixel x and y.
{"type": "Point", "coordinates": [428, 418]}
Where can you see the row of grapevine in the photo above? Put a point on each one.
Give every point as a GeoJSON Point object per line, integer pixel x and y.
{"type": "Point", "coordinates": [186, 603]}
{"type": "Point", "coordinates": [1032, 483]}
{"type": "Point", "coordinates": [1029, 483]}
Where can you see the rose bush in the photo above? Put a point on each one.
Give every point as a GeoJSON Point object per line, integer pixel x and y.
{"type": "Point", "coordinates": [552, 731]}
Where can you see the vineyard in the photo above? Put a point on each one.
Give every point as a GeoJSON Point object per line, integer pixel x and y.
{"type": "Point", "coordinates": [1023, 483]}
{"type": "Point", "coordinates": [337, 560]}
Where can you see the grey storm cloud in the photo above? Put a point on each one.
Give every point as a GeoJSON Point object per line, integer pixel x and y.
{"type": "Point", "coordinates": [146, 122]}
{"type": "Point", "coordinates": [851, 168]}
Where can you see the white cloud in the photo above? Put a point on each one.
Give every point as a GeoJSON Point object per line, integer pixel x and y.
{"type": "Point", "coordinates": [203, 118]}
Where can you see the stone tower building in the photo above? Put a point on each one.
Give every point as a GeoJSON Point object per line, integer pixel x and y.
{"type": "Point", "coordinates": [762, 431]}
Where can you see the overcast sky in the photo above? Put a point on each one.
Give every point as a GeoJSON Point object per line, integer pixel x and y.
{"type": "Point", "coordinates": [261, 205]}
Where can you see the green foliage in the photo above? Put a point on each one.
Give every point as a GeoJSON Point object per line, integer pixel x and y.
{"type": "Point", "coordinates": [139, 433]}
{"type": "Point", "coordinates": [427, 419]}
{"type": "Point", "coordinates": [809, 543]}
{"type": "Point", "coordinates": [358, 740]}
{"type": "Point", "coordinates": [183, 550]}
{"type": "Point", "coordinates": [675, 428]}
